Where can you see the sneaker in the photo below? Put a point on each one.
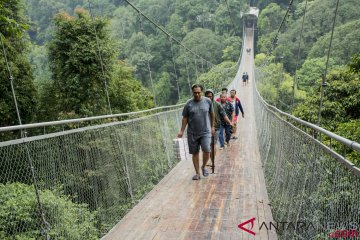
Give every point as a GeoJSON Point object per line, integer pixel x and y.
{"type": "Point", "coordinates": [221, 148]}
{"type": "Point", "coordinates": [196, 177]}
{"type": "Point", "coordinates": [204, 172]}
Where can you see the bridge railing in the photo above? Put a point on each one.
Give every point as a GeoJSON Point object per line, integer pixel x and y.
{"type": "Point", "coordinates": [34, 129]}
{"type": "Point", "coordinates": [312, 188]}
{"type": "Point", "coordinates": [78, 183]}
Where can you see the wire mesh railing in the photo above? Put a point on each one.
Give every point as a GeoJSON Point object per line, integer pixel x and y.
{"type": "Point", "coordinates": [314, 191]}
{"type": "Point", "coordinates": [86, 178]}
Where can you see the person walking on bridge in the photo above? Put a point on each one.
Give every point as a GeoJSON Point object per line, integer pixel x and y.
{"type": "Point", "coordinates": [223, 91]}
{"type": "Point", "coordinates": [244, 78]}
{"type": "Point", "coordinates": [220, 115]}
{"type": "Point", "coordinates": [230, 112]}
{"type": "Point", "coordinates": [235, 101]}
{"type": "Point", "coordinates": [198, 114]}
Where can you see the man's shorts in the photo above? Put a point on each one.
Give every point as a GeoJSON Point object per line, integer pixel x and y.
{"type": "Point", "coordinates": [195, 142]}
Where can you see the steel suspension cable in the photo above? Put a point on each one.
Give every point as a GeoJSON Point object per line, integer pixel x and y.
{"type": "Point", "coordinates": [298, 56]}
{"type": "Point", "coordinates": [281, 24]}
{"type": "Point", "coordinates": [100, 58]}
{"type": "Point", "coordinates": [45, 226]}
{"type": "Point", "coordinates": [196, 70]}
{"type": "Point", "coordinates": [162, 29]}
{"type": "Point", "coordinates": [231, 18]}
{"type": "Point", "coordinates": [327, 64]}
{"type": "Point", "coordinates": [187, 73]}
{"type": "Point", "coordinates": [147, 60]}
{"type": "Point", "coordinates": [176, 76]}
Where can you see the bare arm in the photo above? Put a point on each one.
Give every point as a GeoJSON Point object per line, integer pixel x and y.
{"type": "Point", "coordinates": [227, 120]}
{"type": "Point", "coordinates": [184, 122]}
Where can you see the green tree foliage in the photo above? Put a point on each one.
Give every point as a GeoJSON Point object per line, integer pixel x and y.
{"type": "Point", "coordinates": [207, 43]}
{"type": "Point", "coordinates": [315, 26]}
{"type": "Point", "coordinates": [75, 63]}
{"type": "Point", "coordinates": [127, 94]}
{"type": "Point", "coordinates": [275, 85]}
{"type": "Point", "coordinates": [233, 49]}
{"type": "Point", "coordinates": [341, 100]}
{"type": "Point", "coordinates": [345, 35]}
{"type": "Point", "coordinates": [219, 76]}
{"type": "Point", "coordinates": [310, 73]}
{"type": "Point", "coordinates": [268, 23]}
{"type": "Point", "coordinates": [12, 33]}
{"type": "Point", "coordinates": [19, 215]}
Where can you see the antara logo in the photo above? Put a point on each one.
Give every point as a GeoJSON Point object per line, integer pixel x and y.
{"type": "Point", "coordinates": [241, 226]}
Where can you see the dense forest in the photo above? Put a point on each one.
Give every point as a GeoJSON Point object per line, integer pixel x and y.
{"type": "Point", "coordinates": [76, 58]}
{"type": "Point", "coordinates": [289, 65]}
{"type": "Point", "coordinates": [84, 58]}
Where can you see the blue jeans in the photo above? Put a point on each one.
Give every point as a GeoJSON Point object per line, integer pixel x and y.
{"type": "Point", "coordinates": [227, 134]}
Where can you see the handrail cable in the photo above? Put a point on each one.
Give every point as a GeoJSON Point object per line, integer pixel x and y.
{"type": "Point", "coordinates": [86, 119]}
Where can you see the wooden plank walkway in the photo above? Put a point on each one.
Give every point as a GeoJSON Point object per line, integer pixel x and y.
{"type": "Point", "coordinates": [212, 208]}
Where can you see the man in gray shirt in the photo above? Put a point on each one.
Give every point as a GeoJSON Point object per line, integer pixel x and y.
{"type": "Point", "coordinates": [198, 114]}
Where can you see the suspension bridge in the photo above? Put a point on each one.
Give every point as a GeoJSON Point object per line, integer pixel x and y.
{"type": "Point", "coordinates": [276, 175]}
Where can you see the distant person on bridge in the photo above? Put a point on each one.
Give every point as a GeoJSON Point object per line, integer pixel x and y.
{"type": "Point", "coordinates": [230, 112]}
{"type": "Point", "coordinates": [220, 116]}
{"type": "Point", "coordinates": [223, 90]}
{"type": "Point", "coordinates": [247, 77]}
{"type": "Point", "coordinates": [198, 114]}
{"type": "Point", "coordinates": [244, 78]}
{"type": "Point", "coordinates": [235, 101]}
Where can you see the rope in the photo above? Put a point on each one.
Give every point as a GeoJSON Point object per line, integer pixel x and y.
{"type": "Point", "coordinates": [327, 64]}
{"type": "Point", "coordinates": [298, 55]}
{"type": "Point", "coordinates": [100, 58]}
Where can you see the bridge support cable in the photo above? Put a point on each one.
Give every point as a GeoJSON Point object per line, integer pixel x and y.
{"type": "Point", "coordinates": [45, 226]}
{"type": "Point", "coordinates": [187, 73]}
{"type": "Point", "coordinates": [147, 59]}
{"type": "Point", "coordinates": [175, 72]}
{"type": "Point", "coordinates": [101, 59]}
{"type": "Point", "coordinates": [230, 16]}
{"type": "Point", "coordinates": [323, 85]}
{"type": "Point", "coordinates": [273, 43]}
{"type": "Point", "coordinates": [162, 29]}
{"type": "Point", "coordinates": [298, 56]}
{"type": "Point", "coordinates": [196, 70]}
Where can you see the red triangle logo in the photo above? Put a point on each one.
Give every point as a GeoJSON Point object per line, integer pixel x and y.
{"type": "Point", "coordinates": [241, 226]}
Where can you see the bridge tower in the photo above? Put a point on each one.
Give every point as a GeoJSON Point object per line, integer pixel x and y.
{"type": "Point", "coordinates": [250, 18]}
